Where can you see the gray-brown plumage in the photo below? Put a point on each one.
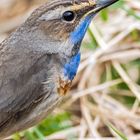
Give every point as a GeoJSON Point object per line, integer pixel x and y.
{"type": "Point", "coordinates": [40, 59]}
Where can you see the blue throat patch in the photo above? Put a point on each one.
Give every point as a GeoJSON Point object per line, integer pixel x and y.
{"type": "Point", "coordinates": [78, 34]}
{"type": "Point", "coordinates": [70, 68]}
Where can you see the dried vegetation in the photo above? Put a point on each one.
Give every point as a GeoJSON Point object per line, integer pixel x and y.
{"type": "Point", "coordinates": [104, 101]}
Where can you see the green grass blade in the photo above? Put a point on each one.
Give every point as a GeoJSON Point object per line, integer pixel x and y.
{"type": "Point", "coordinates": [117, 132]}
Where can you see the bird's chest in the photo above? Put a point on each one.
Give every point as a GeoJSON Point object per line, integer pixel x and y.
{"type": "Point", "coordinates": [68, 72]}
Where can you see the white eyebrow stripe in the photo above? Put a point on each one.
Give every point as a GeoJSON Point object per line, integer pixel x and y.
{"type": "Point", "coordinates": [57, 13]}
{"type": "Point", "coordinates": [54, 14]}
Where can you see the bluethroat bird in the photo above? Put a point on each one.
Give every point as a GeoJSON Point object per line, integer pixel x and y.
{"type": "Point", "coordinates": [40, 59]}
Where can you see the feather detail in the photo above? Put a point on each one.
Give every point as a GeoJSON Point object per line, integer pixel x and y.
{"type": "Point", "coordinates": [64, 86]}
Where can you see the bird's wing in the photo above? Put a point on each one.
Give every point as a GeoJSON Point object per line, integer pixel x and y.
{"type": "Point", "coordinates": [21, 75]}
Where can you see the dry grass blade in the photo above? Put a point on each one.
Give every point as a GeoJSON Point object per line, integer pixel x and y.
{"type": "Point", "coordinates": [134, 87]}
{"type": "Point", "coordinates": [95, 89]}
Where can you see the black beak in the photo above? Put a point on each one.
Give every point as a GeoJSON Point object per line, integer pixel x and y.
{"type": "Point", "coordinates": [101, 4]}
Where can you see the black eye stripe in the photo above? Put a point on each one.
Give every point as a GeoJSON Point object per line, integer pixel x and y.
{"type": "Point", "coordinates": [68, 16]}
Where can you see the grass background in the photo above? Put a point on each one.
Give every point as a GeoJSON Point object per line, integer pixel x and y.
{"type": "Point", "coordinates": [104, 101]}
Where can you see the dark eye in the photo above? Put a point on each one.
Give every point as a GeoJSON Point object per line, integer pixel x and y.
{"type": "Point", "coordinates": [68, 16]}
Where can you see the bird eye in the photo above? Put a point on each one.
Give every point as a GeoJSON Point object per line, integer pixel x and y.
{"type": "Point", "coordinates": [68, 16]}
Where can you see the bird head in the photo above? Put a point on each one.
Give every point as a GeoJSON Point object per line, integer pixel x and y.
{"type": "Point", "coordinates": [59, 26]}
{"type": "Point", "coordinates": [62, 24]}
